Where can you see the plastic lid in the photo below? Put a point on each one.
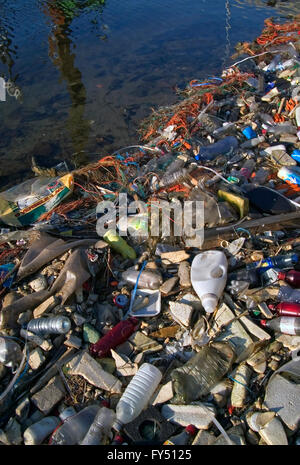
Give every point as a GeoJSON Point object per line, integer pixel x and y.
{"type": "Point", "coordinates": [272, 307]}
{"type": "Point", "coordinates": [281, 276]}
{"type": "Point", "coordinates": [209, 302]}
{"type": "Point", "coordinates": [263, 322]}
{"type": "Point", "coordinates": [119, 439]}
{"type": "Point", "coordinates": [191, 429]}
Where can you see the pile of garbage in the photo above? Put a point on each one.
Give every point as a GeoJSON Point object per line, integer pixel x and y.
{"type": "Point", "coordinates": [186, 335]}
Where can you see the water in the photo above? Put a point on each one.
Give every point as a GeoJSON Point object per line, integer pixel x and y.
{"type": "Point", "coordinates": [90, 70]}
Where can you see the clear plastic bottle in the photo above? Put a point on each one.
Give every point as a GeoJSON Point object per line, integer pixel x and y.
{"type": "Point", "coordinates": [281, 261]}
{"type": "Point", "coordinates": [100, 427]}
{"type": "Point", "coordinates": [147, 280]}
{"type": "Point", "coordinates": [75, 427]}
{"type": "Point", "coordinates": [10, 352]}
{"type": "Point", "coordinates": [252, 142]}
{"type": "Point", "coordinates": [222, 147]}
{"type": "Point", "coordinates": [182, 438]}
{"type": "Point", "coordinates": [53, 325]}
{"type": "Point", "coordinates": [284, 324]}
{"type": "Point", "coordinates": [282, 128]}
{"type": "Point", "coordinates": [172, 178]}
{"type": "Point", "coordinates": [137, 394]}
{"type": "Point", "coordinates": [287, 294]}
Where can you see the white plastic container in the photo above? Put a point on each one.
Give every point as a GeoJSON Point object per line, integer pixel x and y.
{"type": "Point", "coordinates": [208, 276]}
{"type": "Point", "coordinates": [137, 394]}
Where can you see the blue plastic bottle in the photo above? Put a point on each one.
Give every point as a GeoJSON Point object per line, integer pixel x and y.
{"type": "Point", "coordinates": [281, 261]}
{"type": "Point", "coordinates": [222, 147]}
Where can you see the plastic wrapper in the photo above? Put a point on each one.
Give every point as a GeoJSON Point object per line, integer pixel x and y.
{"type": "Point", "coordinates": [202, 372]}
{"type": "Point", "coordinates": [25, 203]}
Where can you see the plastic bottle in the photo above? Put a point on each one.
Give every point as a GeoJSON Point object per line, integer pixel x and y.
{"type": "Point", "coordinates": [287, 294]}
{"type": "Point", "coordinates": [38, 432]}
{"type": "Point", "coordinates": [172, 178]}
{"type": "Point", "coordinates": [147, 280]}
{"type": "Point", "coordinates": [208, 276]}
{"type": "Point", "coordinates": [222, 147]}
{"type": "Point", "coordinates": [137, 394]}
{"type": "Point", "coordinates": [177, 164]}
{"type": "Point", "coordinates": [182, 438]}
{"type": "Point", "coordinates": [267, 119]}
{"type": "Point", "coordinates": [282, 128]}
{"type": "Point", "coordinates": [75, 427]}
{"type": "Point", "coordinates": [55, 325]}
{"type": "Point", "coordinates": [117, 243]}
{"type": "Point", "coordinates": [286, 309]}
{"type": "Point", "coordinates": [281, 261]}
{"type": "Point", "coordinates": [252, 276]}
{"type": "Point", "coordinates": [252, 142]}
{"type": "Point", "coordinates": [116, 336]}
{"type": "Point", "coordinates": [284, 324]}
{"type": "Point", "coordinates": [291, 277]}
{"type": "Point", "coordinates": [290, 175]}
{"type": "Point", "coordinates": [10, 352]}
{"type": "Point", "coordinates": [100, 427]}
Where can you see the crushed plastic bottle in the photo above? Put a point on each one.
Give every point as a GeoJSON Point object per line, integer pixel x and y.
{"type": "Point", "coordinates": [223, 147]}
{"type": "Point", "coordinates": [281, 261]}
{"type": "Point", "coordinates": [284, 325]}
{"type": "Point", "coordinates": [147, 280]}
{"type": "Point", "coordinates": [100, 427]}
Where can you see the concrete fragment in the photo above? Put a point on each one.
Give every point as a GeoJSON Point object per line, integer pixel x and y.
{"type": "Point", "coordinates": [164, 394]}
{"type": "Point", "coordinates": [73, 341]}
{"type": "Point", "coordinates": [283, 396]}
{"type": "Point", "coordinates": [193, 300]}
{"type": "Point", "coordinates": [124, 366]}
{"type": "Point", "coordinates": [221, 392]}
{"type": "Point", "coordinates": [257, 358]}
{"type": "Point", "coordinates": [239, 391]}
{"type": "Point", "coordinates": [22, 410]}
{"type": "Point", "coordinates": [168, 285]}
{"type": "Point", "coordinates": [203, 438]}
{"type": "Point", "coordinates": [181, 313]}
{"type": "Point", "coordinates": [40, 283]}
{"type": "Point", "coordinates": [232, 332]}
{"type": "Point", "coordinates": [36, 358]}
{"type": "Point", "coordinates": [42, 343]}
{"type": "Point", "coordinates": [260, 367]}
{"type": "Point", "coordinates": [13, 432]}
{"type": "Point", "coordinates": [84, 365]}
{"type": "Point", "coordinates": [44, 306]}
{"type": "Point", "coordinates": [236, 435]}
{"type": "Point", "coordinates": [290, 342]}
{"type": "Point", "coordinates": [174, 257]}
{"type": "Point", "coordinates": [184, 273]}
{"type": "Point", "coordinates": [269, 428]}
{"type": "Point", "coordinates": [38, 432]}
{"type": "Point", "coordinates": [143, 343]}
{"type": "Point", "coordinates": [78, 319]}
{"type": "Point", "coordinates": [197, 414]}
{"type": "Point", "coordinates": [46, 399]}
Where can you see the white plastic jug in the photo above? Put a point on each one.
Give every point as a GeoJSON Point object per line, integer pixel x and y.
{"type": "Point", "coordinates": [208, 276]}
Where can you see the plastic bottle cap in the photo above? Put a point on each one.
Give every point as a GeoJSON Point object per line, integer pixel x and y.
{"type": "Point", "coordinates": [272, 307]}
{"type": "Point", "coordinates": [263, 322]}
{"type": "Point", "coordinates": [281, 275]}
{"type": "Point", "coordinates": [191, 429]}
{"type": "Point", "coordinates": [119, 438]}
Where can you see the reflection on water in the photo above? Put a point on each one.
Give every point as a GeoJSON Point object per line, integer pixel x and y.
{"type": "Point", "coordinates": [90, 70]}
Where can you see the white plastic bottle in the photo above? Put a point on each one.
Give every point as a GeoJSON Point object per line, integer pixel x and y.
{"type": "Point", "coordinates": [37, 433]}
{"type": "Point", "coordinates": [208, 276]}
{"type": "Point", "coordinates": [137, 394]}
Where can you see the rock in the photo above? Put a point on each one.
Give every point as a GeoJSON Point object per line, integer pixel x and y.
{"type": "Point", "coordinates": [290, 342]}
{"type": "Point", "coordinates": [38, 432]}
{"type": "Point", "coordinates": [124, 367]}
{"type": "Point", "coordinates": [40, 283]}
{"type": "Point", "coordinates": [73, 341]}
{"type": "Point", "coordinates": [181, 313]}
{"type": "Point", "coordinates": [196, 414]}
{"type": "Point", "coordinates": [203, 438]}
{"type": "Point", "coordinates": [78, 319]}
{"type": "Point", "coordinates": [176, 256]}
{"type": "Point", "coordinates": [184, 273]}
{"type": "Point", "coordinates": [36, 358]}
{"type": "Point", "coordinates": [13, 432]}
{"type": "Point", "coordinates": [169, 331]}
{"type": "Point", "coordinates": [168, 285]}
{"type": "Point", "coordinates": [46, 399]}
{"type": "Point", "coordinates": [90, 334]}
{"type": "Point", "coordinates": [221, 392]}
{"type": "Point", "coordinates": [239, 391]}
{"type": "Point", "coordinates": [42, 343]}
{"type": "Point", "coordinates": [22, 410]}
{"type": "Point", "coordinates": [192, 300]}
{"type": "Point", "coordinates": [269, 428]}
{"type": "Point", "coordinates": [164, 394]}
{"type": "Point", "coordinates": [43, 307]}
{"type": "Point", "coordinates": [84, 365]}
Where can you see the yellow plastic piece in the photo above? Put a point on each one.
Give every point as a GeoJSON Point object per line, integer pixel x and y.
{"type": "Point", "coordinates": [241, 204]}
{"type": "Point", "coordinates": [119, 245]}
